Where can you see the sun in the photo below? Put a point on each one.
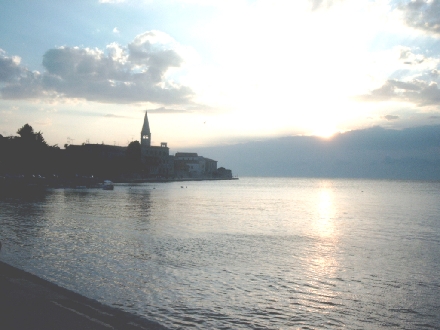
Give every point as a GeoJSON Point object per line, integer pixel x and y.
{"type": "Point", "coordinates": [325, 132]}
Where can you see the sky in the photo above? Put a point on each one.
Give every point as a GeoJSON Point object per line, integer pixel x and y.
{"type": "Point", "coordinates": [216, 72]}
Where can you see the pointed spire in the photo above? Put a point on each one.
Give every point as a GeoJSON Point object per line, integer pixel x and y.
{"type": "Point", "coordinates": [145, 133]}
{"type": "Point", "coordinates": [146, 127]}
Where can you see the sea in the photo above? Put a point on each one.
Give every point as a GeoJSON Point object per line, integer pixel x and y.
{"type": "Point", "coordinates": [253, 253]}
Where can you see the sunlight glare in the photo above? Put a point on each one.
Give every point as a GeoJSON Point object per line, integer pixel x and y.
{"type": "Point", "coordinates": [326, 212]}
{"type": "Point", "coordinates": [326, 134]}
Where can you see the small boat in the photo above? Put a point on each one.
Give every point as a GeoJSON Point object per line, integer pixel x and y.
{"type": "Point", "coordinates": [108, 185]}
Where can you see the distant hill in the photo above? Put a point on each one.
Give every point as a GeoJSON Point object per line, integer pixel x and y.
{"type": "Point", "coordinates": [412, 153]}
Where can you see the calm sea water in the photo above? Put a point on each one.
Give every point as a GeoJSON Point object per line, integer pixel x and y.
{"type": "Point", "coordinates": [257, 253]}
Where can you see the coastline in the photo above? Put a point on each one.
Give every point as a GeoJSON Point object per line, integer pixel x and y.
{"type": "Point", "coordinates": [30, 302]}
{"type": "Point", "coordinates": [156, 180]}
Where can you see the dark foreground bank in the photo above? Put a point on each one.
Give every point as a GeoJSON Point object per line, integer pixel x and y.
{"type": "Point", "coordinates": [29, 302]}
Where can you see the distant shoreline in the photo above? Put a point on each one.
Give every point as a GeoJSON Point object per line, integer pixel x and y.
{"type": "Point", "coordinates": [174, 180]}
{"type": "Point", "coordinates": [35, 184]}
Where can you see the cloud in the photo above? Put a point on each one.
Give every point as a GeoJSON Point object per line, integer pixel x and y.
{"type": "Point", "coordinates": [318, 4]}
{"type": "Point", "coordinates": [116, 30]}
{"type": "Point", "coordinates": [25, 85]}
{"type": "Point", "coordinates": [410, 58]}
{"type": "Point", "coordinates": [110, 115]}
{"type": "Point", "coordinates": [136, 73]}
{"type": "Point", "coordinates": [413, 78]}
{"type": "Point", "coordinates": [422, 14]}
{"type": "Point", "coordinates": [390, 117]}
{"type": "Point", "coordinates": [44, 122]}
{"type": "Point", "coordinates": [9, 67]}
{"type": "Point", "coordinates": [92, 113]}
{"type": "Point", "coordinates": [419, 92]}
{"type": "Point", "coordinates": [167, 110]}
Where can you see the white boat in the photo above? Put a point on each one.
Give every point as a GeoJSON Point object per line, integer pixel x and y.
{"type": "Point", "coordinates": [108, 185]}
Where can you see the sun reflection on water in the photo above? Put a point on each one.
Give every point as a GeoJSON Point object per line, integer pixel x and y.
{"type": "Point", "coordinates": [322, 263]}
{"type": "Point", "coordinates": [324, 224]}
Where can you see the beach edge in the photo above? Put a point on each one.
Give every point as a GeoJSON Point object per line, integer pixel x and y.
{"type": "Point", "coordinates": [30, 302]}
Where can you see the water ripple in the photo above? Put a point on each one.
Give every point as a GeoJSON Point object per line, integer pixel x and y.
{"type": "Point", "coordinates": [259, 254]}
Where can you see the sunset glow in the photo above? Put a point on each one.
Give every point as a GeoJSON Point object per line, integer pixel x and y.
{"type": "Point", "coordinates": [250, 69]}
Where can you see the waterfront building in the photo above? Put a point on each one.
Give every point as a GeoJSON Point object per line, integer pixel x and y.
{"type": "Point", "coordinates": [92, 158]}
{"type": "Point", "coordinates": [193, 164]}
{"type": "Point", "coordinates": [156, 159]}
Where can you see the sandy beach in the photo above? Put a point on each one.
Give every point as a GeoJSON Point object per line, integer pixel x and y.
{"type": "Point", "coordinates": [29, 302]}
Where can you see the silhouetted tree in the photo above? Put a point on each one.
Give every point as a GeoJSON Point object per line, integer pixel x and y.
{"type": "Point", "coordinates": [26, 131]}
{"type": "Point", "coordinates": [133, 152]}
{"type": "Point", "coordinates": [133, 156]}
{"type": "Point", "coordinates": [27, 134]}
{"type": "Point", "coordinates": [27, 153]}
{"type": "Point", "coordinates": [40, 139]}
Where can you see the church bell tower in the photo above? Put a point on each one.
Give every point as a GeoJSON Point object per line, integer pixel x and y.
{"type": "Point", "coordinates": [145, 138]}
{"type": "Point", "coordinates": [145, 133]}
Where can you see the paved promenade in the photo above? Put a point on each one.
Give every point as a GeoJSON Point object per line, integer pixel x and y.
{"type": "Point", "coordinates": [29, 302]}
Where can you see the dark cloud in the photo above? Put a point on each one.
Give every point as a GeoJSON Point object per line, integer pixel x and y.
{"type": "Point", "coordinates": [9, 68]}
{"type": "Point", "coordinates": [422, 14]}
{"type": "Point", "coordinates": [27, 85]}
{"type": "Point", "coordinates": [16, 81]}
{"type": "Point", "coordinates": [390, 117]}
{"type": "Point", "coordinates": [434, 117]}
{"type": "Point", "coordinates": [121, 75]}
{"type": "Point", "coordinates": [418, 92]}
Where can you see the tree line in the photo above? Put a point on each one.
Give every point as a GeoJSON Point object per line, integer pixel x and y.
{"type": "Point", "coordinates": [29, 154]}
